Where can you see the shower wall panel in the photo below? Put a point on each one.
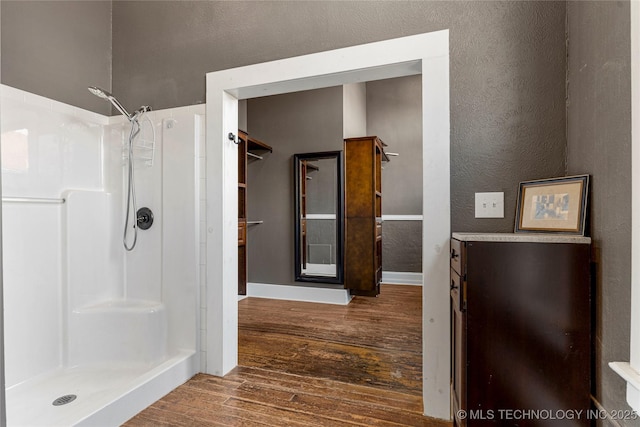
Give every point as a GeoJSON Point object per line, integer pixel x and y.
{"type": "Point", "coordinates": [47, 148]}
{"type": "Point", "coordinates": [62, 260]}
{"type": "Point", "coordinates": [164, 266]}
{"type": "Point", "coordinates": [93, 253]}
{"type": "Point", "coordinates": [181, 162]}
{"type": "Point", "coordinates": [32, 290]}
{"type": "Point", "coordinates": [143, 265]}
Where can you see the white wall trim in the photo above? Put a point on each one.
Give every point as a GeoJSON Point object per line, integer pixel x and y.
{"type": "Point", "coordinates": [401, 278]}
{"type": "Point", "coordinates": [384, 217]}
{"type": "Point", "coordinates": [321, 216]}
{"type": "Point", "coordinates": [402, 217]}
{"type": "Point", "coordinates": [626, 371]}
{"type": "Point", "coordinates": [3, 406]}
{"type": "Point", "coordinates": [633, 393]}
{"type": "Point", "coordinates": [629, 371]}
{"type": "Point", "coordinates": [426, 54]}
{"type": "Point", "coordinates": [298, 293]}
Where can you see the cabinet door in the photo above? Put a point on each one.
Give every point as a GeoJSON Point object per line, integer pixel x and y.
{"type": "Point", "coordinates": [458, 350]}
{"type": "Point", "coordinates": [528, 334]}
{"type": "Point", "coordinates": [361, 257]}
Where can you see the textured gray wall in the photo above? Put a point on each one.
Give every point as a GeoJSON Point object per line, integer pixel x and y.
{"type": "Point", "coordinates": [599, 143]}
{"type": "Point", "coordinates": [507, 76]}
{"type": "Point", "coordinates": [402, 246]}
{"type": "Point", "coordinates": [507, 90]}
{"type": "Point", "coordinates": [301, 122]}
{"type": "Point", "coordinates": [58, 48]}
{"type": "Point", "coordinates": [507, 67]}
{"type": "Point", "coordinates": [394, 113]}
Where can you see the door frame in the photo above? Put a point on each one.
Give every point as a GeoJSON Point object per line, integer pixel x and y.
{"type": "Point", "coordinates": [426, 54]}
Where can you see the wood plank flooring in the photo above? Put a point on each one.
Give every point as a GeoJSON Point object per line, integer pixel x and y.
{"type": "Point", "coordinates": [306, 364]}
{"type": "Point", "coordinates": [371, 341]}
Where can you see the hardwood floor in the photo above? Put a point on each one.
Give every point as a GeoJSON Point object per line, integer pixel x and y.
{"type": "Point", "coordinates": [371, 341]}
{"type": "Point", "coordinates": [306, 364]}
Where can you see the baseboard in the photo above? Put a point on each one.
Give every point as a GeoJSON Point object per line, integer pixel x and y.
{"type": "Point", "coordinates": [402, 278]}
{"type": "Point", "coordinates": [299, 293]}
{"type": "Point", "coordinates": [402, 217]}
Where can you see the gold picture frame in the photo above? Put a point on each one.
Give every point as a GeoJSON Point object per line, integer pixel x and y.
{"type": "Point", "coordinates": [555, 205]}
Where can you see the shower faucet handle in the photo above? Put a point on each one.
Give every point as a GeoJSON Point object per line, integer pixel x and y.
{"type": "Point", "coordinates": [144, 218]}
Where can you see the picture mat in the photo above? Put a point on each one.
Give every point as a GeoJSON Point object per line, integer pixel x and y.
{"type": "Point", "coordinates": [528, 219]}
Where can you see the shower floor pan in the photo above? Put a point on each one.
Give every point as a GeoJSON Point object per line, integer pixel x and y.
{"type": "Point", "coordinates": [107, 394]}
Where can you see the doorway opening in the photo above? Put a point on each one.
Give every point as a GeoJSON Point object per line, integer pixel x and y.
{"type": "Point", "coordinates": [425, 54]}
{"type": "Point", "coordinates": [371, 342]}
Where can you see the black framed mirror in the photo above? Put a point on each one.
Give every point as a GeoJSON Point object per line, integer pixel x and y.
{"type": "Point", "coordinates": [319, 217]}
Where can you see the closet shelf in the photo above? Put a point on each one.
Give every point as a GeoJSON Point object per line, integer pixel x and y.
{"type": "Point", "coordinates": [248, 148]}
{"type": "Point", "coordinates": [257, 145]}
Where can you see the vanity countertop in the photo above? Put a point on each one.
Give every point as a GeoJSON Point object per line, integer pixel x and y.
{"type": "Point", "coordinates": [520, 237]}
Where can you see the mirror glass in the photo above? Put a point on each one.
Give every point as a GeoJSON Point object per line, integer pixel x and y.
{"type": "Point", "coordinates": [319, 217]}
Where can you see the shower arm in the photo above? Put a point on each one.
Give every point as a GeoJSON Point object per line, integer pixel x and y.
{"type": "Point", "coordinates": [120, 108]}
{"type": "Point", "coordinates": [139, 112]}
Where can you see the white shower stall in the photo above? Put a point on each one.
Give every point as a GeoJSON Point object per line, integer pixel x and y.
{"type": "Point", "coordinates": [93, 333]}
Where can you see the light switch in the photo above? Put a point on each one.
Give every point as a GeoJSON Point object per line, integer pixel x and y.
{"type": "Point", "coordinates": [490, 205]}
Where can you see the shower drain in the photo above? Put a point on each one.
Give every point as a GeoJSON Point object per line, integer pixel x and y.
{"type": "Point", "coordinates": [63, 400]}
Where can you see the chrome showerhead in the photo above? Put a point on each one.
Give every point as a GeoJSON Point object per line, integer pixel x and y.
{"type": "Point", "coordinates": [101, 93]}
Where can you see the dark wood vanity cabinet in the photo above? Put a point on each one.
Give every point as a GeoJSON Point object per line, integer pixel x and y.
{"type": "Point", "coordinates": [521, 329]}
{"type": "Point", "coordinates": [363, 214]}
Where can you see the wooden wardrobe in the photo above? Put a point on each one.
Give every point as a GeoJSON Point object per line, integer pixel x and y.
{"type": "Point", "coordinates": [363, 214]}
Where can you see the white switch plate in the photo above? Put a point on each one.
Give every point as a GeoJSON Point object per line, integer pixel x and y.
{"type": "Point", "coordinates": [490, 205]}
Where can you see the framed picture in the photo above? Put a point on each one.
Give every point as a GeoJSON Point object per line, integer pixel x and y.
{"type": "Point", "coordinates": [556, 205]}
